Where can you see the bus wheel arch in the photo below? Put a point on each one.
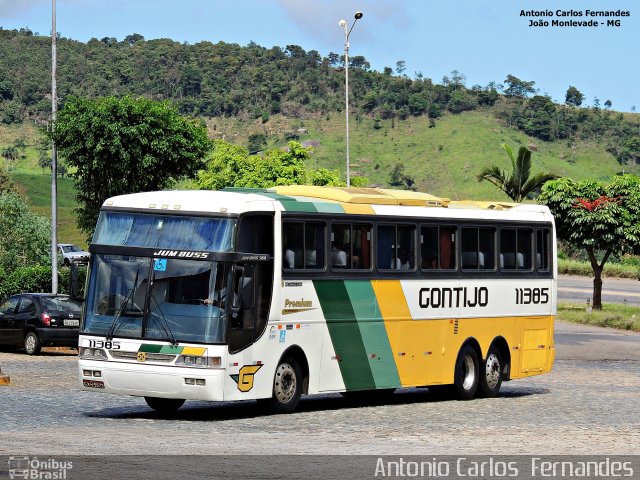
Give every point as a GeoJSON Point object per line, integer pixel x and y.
{"type": "Point", "coordinates": [296, 353]}
{"type": "Point", "coordinates": [466, 375]}
{"type": "Point", "coordinates": [290, 380]}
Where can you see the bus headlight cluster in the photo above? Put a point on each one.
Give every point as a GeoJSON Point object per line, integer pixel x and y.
{"type": "Point", "coordinates": [93, 353]}
{"type": "Point", "coordinates": [199, 362]}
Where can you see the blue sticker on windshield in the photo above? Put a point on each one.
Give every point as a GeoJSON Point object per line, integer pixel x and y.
{"type": "Point", "coordinates": [160, 264]}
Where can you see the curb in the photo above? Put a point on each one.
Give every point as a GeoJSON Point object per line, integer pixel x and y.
{"type": "Point", "coordinates": [4, 379]}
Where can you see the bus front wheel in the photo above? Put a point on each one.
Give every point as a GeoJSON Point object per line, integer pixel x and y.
{"type": "Point", "coordinates": [491, 376]}
{"type": "Point", "coordinates": [164, 405]}
{"type": "Point", "coordinates": [467, 373]}
{"type": "Point", "coordinates": [287, 386]}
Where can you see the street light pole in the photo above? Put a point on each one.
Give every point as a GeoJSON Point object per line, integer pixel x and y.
{"type": "Point", "coordinates": [343, 24]}
{"type": "Point", "coordinates": [54, 155]}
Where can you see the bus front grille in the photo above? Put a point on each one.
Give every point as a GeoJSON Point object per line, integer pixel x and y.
{"type": "Point", "coordinates": [149, 357]}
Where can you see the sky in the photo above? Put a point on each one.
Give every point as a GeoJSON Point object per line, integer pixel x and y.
{"type": "Point", "coordinates": [484, 39]}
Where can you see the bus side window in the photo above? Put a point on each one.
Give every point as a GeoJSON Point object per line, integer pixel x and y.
{"type": "Point", "coordinates": [396, 247]}
{"type": "Point", "coordinates": [515, 249]}
{"type": "Point", "coordinates": [542, 249]}
{"type": "Point", "coordinates": [438, 248]}
{"type": "Point", "coordinates": [478, 248]}
{"type": "Point", "coordinates": [303, 245]}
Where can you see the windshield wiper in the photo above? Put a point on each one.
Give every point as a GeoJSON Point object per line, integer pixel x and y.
{"type": "Point", "coordinates": [165, 323]}
{"type": "Point", "coordinates": [123, 307]}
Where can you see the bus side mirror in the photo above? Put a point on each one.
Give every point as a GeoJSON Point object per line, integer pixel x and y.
{"type": "Point", "coordinates": [74, 288]}
{"type": "Point", "coordinates": [243, 296]}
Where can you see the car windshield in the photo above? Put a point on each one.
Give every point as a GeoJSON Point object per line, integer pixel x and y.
{"type": "Point", "coordinates": [156, 298]}
{"type": "Point", "coordinates": [61, 304]}
{"type": "Point", "coordinates": [70, 248]}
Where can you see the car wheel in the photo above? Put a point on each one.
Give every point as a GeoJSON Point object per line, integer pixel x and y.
{"type": "Point", "coordinates": [32, 344]}
{"type": "Point", "coordinates": [467, 373]}
{"type": "Point", "coordinates": [287, 386]}
{"type": "Point", "coordinates": [491, 375]}
{"type": "Point", "coordinates": [164, 405]}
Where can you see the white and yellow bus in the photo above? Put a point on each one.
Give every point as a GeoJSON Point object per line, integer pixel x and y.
{"type": "Point", "coordinates": [271, 294]}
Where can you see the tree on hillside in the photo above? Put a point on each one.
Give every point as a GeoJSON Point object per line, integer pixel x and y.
{"type": "Point", "coordinates": [604, 220]}
{"type": "Point", "coordinates": [125, 145]}
{"type": "Point", "coordinates": [518, 88]}
{"type": "Point", "coordinates": [10, 154]}
{"type": "Point", "coordinates": [573, 97]}
{"type": "Point", "coordinates": [232, 166]}
{"type": "Point", "coordinates": [6, 184]}
{"type": "Point", "coordinates": [518, 183]}
{"type": "Point", "coordinates": [24, 236]}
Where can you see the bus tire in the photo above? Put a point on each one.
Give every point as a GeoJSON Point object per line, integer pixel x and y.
{"type": "Point", "coordinates": [491, 375]}
{"type": "Point", "coordinates": [467, 373]}
{"type": "Point", "coordinates": [164, 405]}
{"type": "Point", "coordinates": [287, 386]}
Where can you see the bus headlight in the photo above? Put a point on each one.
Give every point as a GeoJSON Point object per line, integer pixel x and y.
{"type": "Point", "coordinates": [199, 362]}
{"type": "Point", "coordinates": [93, 353]}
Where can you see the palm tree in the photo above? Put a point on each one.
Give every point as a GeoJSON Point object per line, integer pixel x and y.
{"type": "Point", "coordinates": [518, 183]}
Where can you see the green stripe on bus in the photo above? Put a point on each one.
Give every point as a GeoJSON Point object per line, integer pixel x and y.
{"type": "Point", "coordinates": [171, 349]}
{"type": "Point", "coordinates": [293, 205]}
{"type": "Point", "coordinates": [374, 333]}
{"type": "Point", "coordinates": [345, 335]}
{"type": "Point", "coordinates": [326, 207]}
{"type": "Point", "coordinates": [150, 348]}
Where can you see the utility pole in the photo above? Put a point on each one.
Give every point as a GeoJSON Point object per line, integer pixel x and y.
{"type": "Point", "coordinates": [347, 31]}
{"type": "Point", "coordinates": [54, 155]}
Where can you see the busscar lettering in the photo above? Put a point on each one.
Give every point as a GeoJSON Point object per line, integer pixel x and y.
{"type": "Point", "coordinates": [181, 254]}
{"type": "Point", "coordinates": [457, 297]}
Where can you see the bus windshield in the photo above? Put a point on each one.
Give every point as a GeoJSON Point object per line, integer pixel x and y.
{"type": "Point", "coordinates": [156, 299]}
{"type": "Point", "coordinates": [164, 231]}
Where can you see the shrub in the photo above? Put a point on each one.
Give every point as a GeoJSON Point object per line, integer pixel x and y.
{"type": "Point", "coordinates": [37, 279]}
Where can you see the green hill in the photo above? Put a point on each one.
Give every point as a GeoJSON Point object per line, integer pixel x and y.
{"type": "Point", "coordinates": [442, 134]}
{"type": "Point", "coordinates": [442, 160]}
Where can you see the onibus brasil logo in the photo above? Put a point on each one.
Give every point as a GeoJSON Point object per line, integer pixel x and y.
{"type": "Point", "coordinates": [33, 468]}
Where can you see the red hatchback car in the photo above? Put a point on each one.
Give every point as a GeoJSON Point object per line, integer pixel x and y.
{"type": "Point", "coordinates": [36, 320]}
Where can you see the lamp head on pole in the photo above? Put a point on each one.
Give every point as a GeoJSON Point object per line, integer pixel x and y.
{"type": "Point", "coordinates": [343, 23]}
{"type": "Point", "coordinates": [358, 15]}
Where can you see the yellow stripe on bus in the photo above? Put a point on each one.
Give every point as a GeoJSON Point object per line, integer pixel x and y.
{"type": "Point", "coordinates": [407, 337]}
{"type": "Point", "coordinates": [358, 208]}
{"type": "Point", "coordinates": [194, 351]}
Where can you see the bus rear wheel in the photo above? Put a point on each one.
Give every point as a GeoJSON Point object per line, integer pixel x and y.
{"type": "Point", "coordinates": [287, 386]}
{"type": "Point", "coordinates": [467, 373]}
{"type": "Point", "coordinates": [491, 377]}
{"type": "Point", "coordinates": [164, 405]}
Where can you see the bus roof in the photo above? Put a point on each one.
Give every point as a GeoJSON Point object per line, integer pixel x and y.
{"type": "Point", "coordinates": [305, 198]}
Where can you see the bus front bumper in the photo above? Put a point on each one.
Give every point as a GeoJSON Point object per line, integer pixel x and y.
{"type": "Point", "coordinates": [151, 380]}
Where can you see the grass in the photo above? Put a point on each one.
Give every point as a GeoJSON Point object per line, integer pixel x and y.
{"type": "Point", "coordinates": [582, 268]}
{"type": "Point", "coordinates": [442, 160]}
{"type": "Point", "coordinates": [613, 315]}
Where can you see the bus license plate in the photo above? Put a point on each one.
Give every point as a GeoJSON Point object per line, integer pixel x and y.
{"type": "Point", "coordinates": [71, 323]}
{"type": "Point", "coordinates": [93, 383]}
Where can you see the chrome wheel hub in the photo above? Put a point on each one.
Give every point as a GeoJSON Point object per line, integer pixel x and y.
{"type": "Point", "coordinates": [285, 383]}
{"type": "Point", "coordinates": [492, 371]}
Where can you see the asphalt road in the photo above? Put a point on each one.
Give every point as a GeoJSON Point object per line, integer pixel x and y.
{"type": "Point", "coordinates": [614, 290]}
{"type": "Point", "coordinates": [587, 405]}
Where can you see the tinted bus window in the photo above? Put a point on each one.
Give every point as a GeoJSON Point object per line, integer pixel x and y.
{"type": "Point", "coordinates": [438, 248]}
{"type": "Point", "coordinates": [477, 249]}
{"type": "Point", "coordinates": [351, 246]}
{"type": "Point", "coordinates": [515, 249]}
{"type": "Point", "coordinates": [303, 245]}
{"type": "Point", "coordinates": [396, 247]}
{"type": "Point", "coordinates": [543, 248]}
